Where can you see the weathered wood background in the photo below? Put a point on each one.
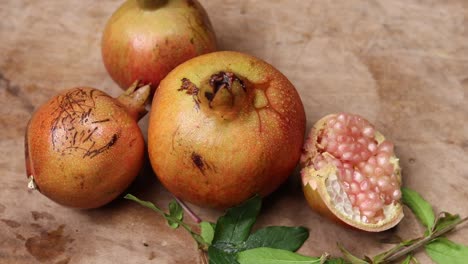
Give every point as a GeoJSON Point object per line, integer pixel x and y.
{"type": "Point", "coordinates": [403, 64]}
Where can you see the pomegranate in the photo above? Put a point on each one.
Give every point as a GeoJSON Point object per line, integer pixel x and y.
{"type": "Point", "coordinates": [84, 148]}
{"type": "Point", "coordinates": [350, 172]}
{"type": "Point", "coordinates": [223, 127]}
{"type": "Point", "coordinates": [145, 39]}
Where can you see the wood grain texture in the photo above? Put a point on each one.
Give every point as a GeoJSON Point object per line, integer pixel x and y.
{"type": "Point", "coordinates": [403, 64]}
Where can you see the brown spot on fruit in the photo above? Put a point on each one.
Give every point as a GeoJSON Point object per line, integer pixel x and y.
{"type": "Point", "coordinates": [2, 208]}
{"type": "Point", "coordinates": [100, 121]}
{"type": "Point", "coordinates": [48, 245]}
{"type": "Point", "coordinates": [130, 144]}
{"type": "Point", "coordinates": [209, 96]}
{"type": "Point", "coordinates": [74, 127]}
{"type": "Point", "coordinates": [198, 161]}
{"type": "Point", "coordinates": [11, 223]}
{"type": "Point", "coordinates": [191, 89]}
{"type": "Point", "coordinates": [93, 153]}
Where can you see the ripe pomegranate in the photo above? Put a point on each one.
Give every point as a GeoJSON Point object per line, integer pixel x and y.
{"type": "Point", "coordinates": [83, 148]}
{"type": "Point", "coordinates": [350, 173]}
{"type": "Point", "coordinates": [224, 126]}
{"type": "Point", "coordinates": [145, 39]}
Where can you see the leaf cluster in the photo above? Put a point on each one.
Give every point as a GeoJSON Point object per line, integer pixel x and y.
{"type": "Point", "coordinates": [231, 241]}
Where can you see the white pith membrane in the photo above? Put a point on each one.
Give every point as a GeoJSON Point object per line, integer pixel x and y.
{"type": "Point", "coordinates": [363, 180]}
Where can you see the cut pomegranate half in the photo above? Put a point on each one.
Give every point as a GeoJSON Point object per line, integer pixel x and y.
{"type": "Point", "coordinates": [350, 173]}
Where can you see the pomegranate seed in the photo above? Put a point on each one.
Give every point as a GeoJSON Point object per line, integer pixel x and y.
{"type": "Point", "coordinates": [365, 172]}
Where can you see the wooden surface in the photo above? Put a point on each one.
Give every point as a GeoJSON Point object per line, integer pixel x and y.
{"type": "Point", "coordinates": [403, 64]}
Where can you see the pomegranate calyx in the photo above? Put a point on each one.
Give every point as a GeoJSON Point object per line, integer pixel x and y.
{"type": "Point", "coordinates": [223, 94]}
{"type": "Point", "coordinates": [223, 85]}
{"type": "Point", "coordinates": [224, 80]}
{"type": "Point", "coordinates": [134, 99]}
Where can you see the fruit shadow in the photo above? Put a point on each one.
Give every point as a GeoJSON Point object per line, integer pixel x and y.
{"type": "Point", "coordinates": [288, 192]}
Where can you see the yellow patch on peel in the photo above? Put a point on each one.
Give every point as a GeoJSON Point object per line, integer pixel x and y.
{"type": "Point", "coordinates": [260, 99]}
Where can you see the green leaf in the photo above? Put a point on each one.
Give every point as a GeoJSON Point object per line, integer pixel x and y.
{"type": "Point", "coordinates": [273, 256]}
{"type": "Point", "coordinates": [446, 220]}
{"type": "Point", "coordinates": [420, 207]}
{"type": "Point", "coordinates": [217, 256]}
{"type": "Point", "coordinates": [207, 231]}
{"type": "Point", "coordinates": [280, 237]}
{"type": "Point", "coordinates": [234, 227]}
{"type": "Point", "coordinates": [176, 211]}
{"type": "Point", "coordinates": [442, 251]}
{"type": "Point", "coordinates": [350, 257]}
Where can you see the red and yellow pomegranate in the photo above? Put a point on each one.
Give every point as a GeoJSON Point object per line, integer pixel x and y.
{"type": "Point", "coordinates": [84, 148]}
{"type": "Point", "coordinates": [145, 39]}
{"type": "Point", "coordinates": [350, 173]}
{"type": "Point", "coordinates": [223, 127]}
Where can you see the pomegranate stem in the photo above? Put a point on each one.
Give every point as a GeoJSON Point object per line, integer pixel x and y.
{"type": "Point", "coordinates": [421, 242]}
{"type": "Point", "coordinates": [134, 99]}
{"type": "Point", "coordinates": [187, 209]}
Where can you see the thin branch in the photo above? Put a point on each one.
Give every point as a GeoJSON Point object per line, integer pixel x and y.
{"type": "Point", "coordinates": [422, 242]}
{"type": "Point", "coordinates": [187, 209]}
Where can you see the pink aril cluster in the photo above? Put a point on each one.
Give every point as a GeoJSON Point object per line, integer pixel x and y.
{"type": "Point", "coordinates": [364, 168]}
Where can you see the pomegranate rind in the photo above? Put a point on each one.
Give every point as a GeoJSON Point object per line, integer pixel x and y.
{"type": "Point", "coordinates": [317, 196]}
{"type": "Point", "coordinates": [145, 45]}
{"type": "Point", "coordinates": [80, 175]}
{"type": "Point", "coordinates": [250, 152]}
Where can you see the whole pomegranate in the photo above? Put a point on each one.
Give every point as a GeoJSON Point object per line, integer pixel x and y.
{"type": "Point", "coordinates": [84, 148]}
{"type": "Point", "coordinates": [350, 173]}
{"type": "Point", "coordinates": [224, 126]}
{"type": "Point", "coordinates": [145, 39]}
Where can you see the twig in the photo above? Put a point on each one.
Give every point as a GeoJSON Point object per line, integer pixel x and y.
{"type": "Point", "coordinates": [422, 242]}
{"type": "Point", "coordinates": [187, 209]}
